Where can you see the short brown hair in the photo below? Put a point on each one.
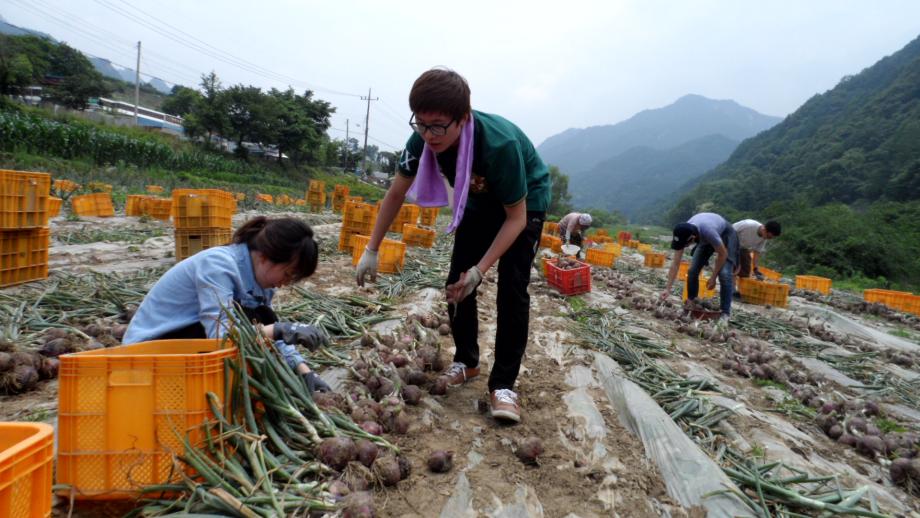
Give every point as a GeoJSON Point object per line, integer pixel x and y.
{"type": "Point", "coordinates": [440, 90]}
{"type": "Point", "coordinates": [282, 240]}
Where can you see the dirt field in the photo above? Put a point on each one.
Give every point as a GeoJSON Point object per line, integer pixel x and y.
{"type": "Point", "coordinates": [592, 465]}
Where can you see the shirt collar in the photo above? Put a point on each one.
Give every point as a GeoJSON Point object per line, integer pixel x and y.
{"type": "Point", "coordinates": [244, 260]}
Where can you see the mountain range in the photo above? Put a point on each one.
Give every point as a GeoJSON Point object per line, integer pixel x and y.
{"type": "Point", "coordinates": [104, 66]}
{"type": "Point", "coordinates": [631, 164]}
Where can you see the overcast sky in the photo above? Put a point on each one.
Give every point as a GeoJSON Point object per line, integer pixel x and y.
{"type": "Point", "coordinates": [546, 66]}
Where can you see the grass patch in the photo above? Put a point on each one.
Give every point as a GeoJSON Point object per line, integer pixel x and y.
{"type": "Point", "coordinates": [889, 426]}
{"type": "Point", "coordinates": [83, 236]}
{"type": "Point", "coordinates": [900, 332]}
{"type": "Point", "coordinates": [792, 407]}
{"type": "Point", "coordinates": [770, 383]}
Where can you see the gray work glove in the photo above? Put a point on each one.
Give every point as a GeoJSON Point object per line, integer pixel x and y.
{"type": "Point", "coordinates": [367, 267]}
{"type": "Point", "coordinates": [468, 282]}
{"type": "Point", "coordinates": [306, 335]}
{"type": "Point", "coordinates": [315, 383]}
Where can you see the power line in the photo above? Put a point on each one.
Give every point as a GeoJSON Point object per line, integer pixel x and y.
{"type": "Point", "coordinates": [183, 38]}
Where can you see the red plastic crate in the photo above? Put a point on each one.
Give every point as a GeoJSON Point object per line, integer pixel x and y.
{"type": "Point", "coordinates": [24, 199]}
{"type": "Point", "coordinates": [569, 282]}
{"type": "Point", "coordinates": [123, 411]}
{"type": "Point", "coordinates": [26, 463]}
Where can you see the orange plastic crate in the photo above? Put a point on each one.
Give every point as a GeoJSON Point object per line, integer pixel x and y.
{"type": "Point", "coordinates": [24, 199]}
{"type": "Point", "coordinates": [354, 198]}
{"type": "Point", "coordinates": [407, 215]}
{"type": "Point", "coordinates": [600, 257]}
{"type": "Point", "coordinates": [552, 242]}
{"type": "Point", "coordinates": [54, 206]}
{"type": "Point", "coordinates": [340, 189]}
{"type": "Point", "coordinates": [239, 196]}
{"type": "Point", "coordinates": [23, 256]}
{"type": "Point", "coordinates": [317, 186]}
{"type": "Point", "coordinates": [133, 204]}
{"type": "Point", "coordinates": [157, 208]}
{"type": "Point", "coordinates": [600, 238]}
{"type": "Point", "coordinates": [122, 411]}
{"type": "Point", "coordinates": [763, 292]}
{"type": "Point", "coordinates": [345, 239]}
{"type": "Point", "coordinates": [429, 216]}
{"type": "Point", "coordinates": [899, 300]}
{"type": "Point", "coordinates": [654, 260]}
{"type": "Point", "coordinates": [264, 198]}
{"type": "Point", "coordinates": [569, 282]}
{"type": "Point", "coordinates": [813, 283]}
{"type": "Point", "coordinates": [769, 274]}
{"type": "Point", "coordinates": [702, 293]}
{"type": "Point", "coordinates": [682, 270]}
{"type": "Point", "coordinates": [415, 236]}
{"type": "Point", "coordinates": [201, 208]}
{"type": "Point", "coordinates": [97, 204]}
{"type": "Point", "coordinates": [190, 241]}
{"type": "Point", "coordinates": [65, 186]}
{"type": "Point", "coordinates": [390, 257]}
{"type": "Point", "coordinates": [284, 199]}
{"type": "Point", "coordinates": [26, 467]}
{"type": "Point", "coordinates": [644, 248]}
{"type": "Point", "coordinates": [550, 227]}
{"type": "Point", "coordinates": [632, 243]}
{"type": "Point", "coordinates": [154, 189]}
{"type": "Point", "coordinates": [358, 218]}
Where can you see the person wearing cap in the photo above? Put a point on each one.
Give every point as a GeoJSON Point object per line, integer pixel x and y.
{"type": "Point", "coordinates": [499, 190]}
{"type": "Point", "coordinates": [752, 238]}
{"type": "Point", "coordinates": [712, 234]}
{"type": "Point", "coordinates": [571, 227]}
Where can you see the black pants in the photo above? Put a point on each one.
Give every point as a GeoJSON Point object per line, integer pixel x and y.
{"type": "Point", "coordinates": [474, 236]}
{"type": "Point", "coordinates": [260, 314]}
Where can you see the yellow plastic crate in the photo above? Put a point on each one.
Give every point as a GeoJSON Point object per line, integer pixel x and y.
{"type": "Point", "coordinates": [26, 466]}
{"type": "Point", "coordinates": [632, 243]}
{"type": "Point", "coordinates": [65, 186]}
{"type": "Point", "coordinates": [654, 260]}
{"type": "Point", "coordinates": [154, 189]}
{"type": "Point", "coordinates": [682, 270]}
{"type": "Point", "coordinates": [429, 216]}
{"type": "Point", "coordinates": [390, 257]}
{"type": "Point", "coordinates": [359, 217]}
{"type": "Point", "coordinates": [769, 274]}
{"type": "Point", "coordinates": [703, 292]}
{"type": "Point", "coordinates": [24, 199]}
{"type": "Point", "coordinates": [97, 204]}
{"type": "Point", "coordinates": [552, 242]}
{"type": "Point", "coordinates": [265, 198]}
{"type": "Point", "coordinates": [157, 208]}
{"type": "Point", "coordinates": [763, 292]}
{"type": "Point", "coordinates": [613, 247]}
{"type": "Point", "coordinates": [54, 206]}
{"type": "Point", "coordinates": [813, 283]}
{"type": "Point", "coordinates": [416, 236]}
{"type": "Point", "coordinates": [600, 257]}
{"type": "Point", "coordinates": [407, 215]}
{"type": "Point", "coordinates": [203, 208]}
{"type": "Point", "coordinates": [190, 241]}
{"type": "Point", "coordinates": [123, 412]}
{"type": "Point", "coordinates": [550, 227]}
{"type": "Point", "coordinates": [133, 204]}
{"type": "Point", "coordinates": [644, 248]}
{"type": "Point", "coordinates": [317, 186]}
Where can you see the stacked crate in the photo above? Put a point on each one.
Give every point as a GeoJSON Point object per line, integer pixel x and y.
{"type": "Point", "coordinates": [429, 216]}
{"type": "Point", "coordinates": [203, 219]}
{"type": "Point", "coordinates": [357, 219]}
{"type": "Point", "coordinates": [407, 215]}
{"type": "Point", "coordinates": [413, 235]}
{"type": "Point", "coordinates": [552, 242]}
{"type": "Point", "coordinates": [316, 195]}
{"type": "Point", "coordinates": [813, 283]}
{"type": "Point", "coordinates": [97, 204]}
{"type": "Point", "coordinates": [763, 293]}
{"type": "Point", "coordinates": [24, 236]}
{"type": "Point", "coordinates": [339, 196]}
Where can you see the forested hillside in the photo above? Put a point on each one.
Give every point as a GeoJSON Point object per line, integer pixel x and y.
{"type": "Point", "coordinates": [843, 172]}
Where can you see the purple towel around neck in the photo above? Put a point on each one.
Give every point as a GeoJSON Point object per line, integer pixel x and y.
{"type": "Point", "coordinates": [429, 188]}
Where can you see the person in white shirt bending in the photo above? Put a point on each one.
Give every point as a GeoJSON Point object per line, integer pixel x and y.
{"type": "Point", "coordinates": [753, 237]}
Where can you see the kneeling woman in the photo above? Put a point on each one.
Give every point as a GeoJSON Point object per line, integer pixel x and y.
{"type": "Point", "coordinates": [265, 254]}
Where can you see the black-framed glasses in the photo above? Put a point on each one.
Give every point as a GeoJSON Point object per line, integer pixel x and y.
{"type": "Point", "coordinates": [434, 129]}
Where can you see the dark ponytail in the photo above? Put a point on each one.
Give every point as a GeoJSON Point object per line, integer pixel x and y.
{"type": "Point", "coordinates": [281, 240]}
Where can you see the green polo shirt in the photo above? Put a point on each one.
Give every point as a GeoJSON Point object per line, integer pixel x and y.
{"type": "Point", "coordinates": [506, 167]}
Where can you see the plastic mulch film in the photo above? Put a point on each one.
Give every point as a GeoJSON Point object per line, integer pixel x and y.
{"type": "Point", "coordinates": [689, 474]}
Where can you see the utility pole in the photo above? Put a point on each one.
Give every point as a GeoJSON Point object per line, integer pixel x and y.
{"type": "Point", "coordinates": [345, 166]}
{"type": "Point", "coordinates": [367, 118]}
{"type": "Point", "coordinates": [137, 82]}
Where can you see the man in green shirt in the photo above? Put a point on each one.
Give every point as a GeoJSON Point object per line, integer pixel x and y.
{"type": "Point", "coordinates": [501, 190]}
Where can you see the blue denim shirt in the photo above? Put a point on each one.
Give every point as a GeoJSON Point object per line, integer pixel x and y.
{"type": "Point", "coordinates": [194, 291]}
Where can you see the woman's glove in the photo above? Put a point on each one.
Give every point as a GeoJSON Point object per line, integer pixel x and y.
{"type": "Point", "coordinates": [306, 335]}
{"type": "Point", "coordinates": [461, 289]}
{"type": "Point", "coordinates": [315, 383]}
{"type": "Point", "coordinates": [367, 266]}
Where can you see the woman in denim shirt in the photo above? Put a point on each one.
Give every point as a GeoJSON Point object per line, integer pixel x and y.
{"type": "Point", "coordinates": [264, 254]}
